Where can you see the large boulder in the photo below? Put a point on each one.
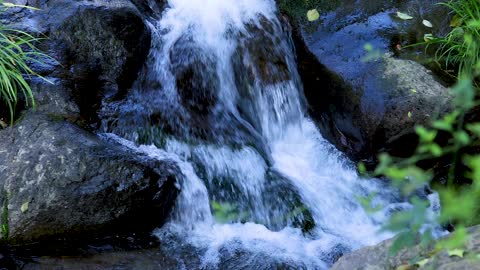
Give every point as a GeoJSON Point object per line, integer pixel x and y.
{"type": "Point", "coordinates": [367, 102]}
{"type": "Point", "coordinates": [58, 180]}
{"type": "Point", "coordinates": [378, 258]}
{"type": "Point", "coordinates": [99, 47]}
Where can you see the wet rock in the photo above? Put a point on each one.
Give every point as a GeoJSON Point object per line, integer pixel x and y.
{"type": "Point", "coordinates": [143, 259]}
{"type": "Point", "coordinates": [58, 180]}
{"type": "Point", "coordinates": [376, 257]}
{"type": "Point", "coordinates": [197, 81]}
{"type": "Point", "coordinates": [104, 49]}
{"type": "Point", "coordinates": [364, 102]}
{"type": "Point", "coordinates": [153, 259]}
{"type": "Point", "coordinates": [99, 47]}
{"type": "Point", "coordinates": [264, 62]}
{"type": "Point", "coordinates": [284, 201]}
{"type": "Point", "coordinates": [255, 68]}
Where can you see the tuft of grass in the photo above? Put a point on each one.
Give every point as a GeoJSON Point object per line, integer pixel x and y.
{"type": "Point", "coordinates": [461, 46]}
{"type": "Point", "coordinates": [17, 52]}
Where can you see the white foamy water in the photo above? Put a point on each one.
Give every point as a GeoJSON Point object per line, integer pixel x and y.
{"type": "Point", "coordinates": [308, 168]}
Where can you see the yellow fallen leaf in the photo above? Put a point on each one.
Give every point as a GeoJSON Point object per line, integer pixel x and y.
{"type": "Point", "coordinates": [456, 252]}
{"type": "Point", "coordinates": [403, 267]}
{"type": "Point", "coordinates": [456, 21]}
{"type": "Point", "coordinates": [313, 15]}
{"type": "Point", "coordinates": [12, 5]}
{"type": "Point", "coordinates": [422, 262]}
{"type": "Point", "coordinates": [24, 207]}
{"type": "Point", "coordinates": [404, 16]}
{"type": "Point", "coordinates": [427, 23]}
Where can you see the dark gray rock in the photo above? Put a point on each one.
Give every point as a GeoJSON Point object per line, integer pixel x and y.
{"type": "Point", "coordinates": [363, 105]}
{"type": "Point", "coordinates": [58, 180]}
{"type": "Point", "coordinates": [145, 259]}
{"type": "Point", "coordinates": [377, 258]}
{"type": "Point", "coordinates": [197, 82]}
{"type": "Point", "coordinates": [153, 259]}
{"type": "Point", "coordinates": [99, 47]}
{"type": "Point", "coordinates": [176, 255]}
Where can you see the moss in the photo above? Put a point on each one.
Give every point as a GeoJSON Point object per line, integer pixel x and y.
{"type": "Point", "coordinates": [152, 135]}
{"type": "Point", "coordinates": [5, 227]}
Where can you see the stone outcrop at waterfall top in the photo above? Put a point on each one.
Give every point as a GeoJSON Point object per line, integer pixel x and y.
{"type": "Point", "coordinates": [369, 102]}
{"type": "Point", "coordinates": [100, 46]}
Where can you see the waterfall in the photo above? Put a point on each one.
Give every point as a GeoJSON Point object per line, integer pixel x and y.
{"type": "Point", "coordinates": [223, 99]}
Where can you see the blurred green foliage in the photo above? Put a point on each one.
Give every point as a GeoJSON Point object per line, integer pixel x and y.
{"type": "Point", "coordinates": [453, 140]}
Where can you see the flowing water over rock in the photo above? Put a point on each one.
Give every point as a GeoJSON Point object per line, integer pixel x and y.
{"type": "Point", "coordinates": [223, 99]}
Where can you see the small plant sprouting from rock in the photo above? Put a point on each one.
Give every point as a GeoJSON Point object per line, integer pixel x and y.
{"type": "Point", "coordinates": [17, 50]}
{"type": "Point", "coordinates": [226, 212]}
{"type": "Point", "coordinates": [5, 229]}
{"type": "Point", "coordinates": [460, 48]}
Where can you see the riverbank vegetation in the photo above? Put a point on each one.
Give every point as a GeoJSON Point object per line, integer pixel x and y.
{"type": "Point", "coordinates": [447, 156]}
{"type": "Point", "coordinates": [17, 52]}
{"type": "Point", "coordinates": [459, 50]}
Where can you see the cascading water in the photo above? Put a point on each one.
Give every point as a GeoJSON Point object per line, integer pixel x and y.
{"type": "Point", "coordinates": [223, 99]}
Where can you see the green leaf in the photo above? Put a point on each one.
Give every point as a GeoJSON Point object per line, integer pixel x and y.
{"type": "Point", "coordinates": [313, 15]}
{"type": "Point", "coordinates": [458, 205]}
{"type": "Point", "coordinates": [362, 169]}
{"type": "Point", "coordinates": [409, 114]}
{"type": "Point", "coordinates": [368, 205]}
{"type": "Point", "coordinates": [403, 240]}
{"type": "Point", "coordinates": [404, 16]}
{"type": "Point", "coordinates": [474, 128]}
{"type": "Point", "coordinates": [368, 47]}
{"type": "Point", "coordinates": [436, 150]}
{"type": "Point", "coordinates": [462, 137]}
{"type": "Point", "coordinates": [464, 94]}
{"type": "Point", "coordinates": [456, 21]}
{"type": "Point", "coordinates": [455, 240]}
{"type": "Point", "coordinates": [384, 162]}
{"type": "Point", "coordinates": [473, 162]}
{"type": "Point", "coordinates": [224, 212]}
{"type": "Point", "coordinates": [428, 37]}
{"type": "Point", "coordinates": [442, 125]}
{"type": "Point", "coordinates": [422, 263]}
{"type": "Point", "coordinates": [456, 252]}
{"type": "Point", "coordinates": [427, 238]}
{"type": "Point", "coordinates": [425, 135]}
